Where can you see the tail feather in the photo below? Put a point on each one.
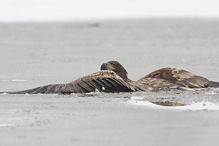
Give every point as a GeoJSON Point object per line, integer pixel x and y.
{"type": "Point", "coordinates": [214, 84]}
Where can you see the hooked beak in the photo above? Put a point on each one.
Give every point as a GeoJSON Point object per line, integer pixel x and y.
{"type": "Point", "coordinates": [107, 66]}
{"type": "Point", "coordinates": [103, 66]}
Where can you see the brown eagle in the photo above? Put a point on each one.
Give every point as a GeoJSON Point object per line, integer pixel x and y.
{"type": "Point", "coordinates": [114, 78]}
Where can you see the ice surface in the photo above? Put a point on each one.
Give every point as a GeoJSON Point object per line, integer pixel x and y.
{"type": "Point", "coordinates": [19, 80]}
{"type": "Point", "coordinates": [47, 53]}
{"type": "Point", "coordinates": [193, 106]}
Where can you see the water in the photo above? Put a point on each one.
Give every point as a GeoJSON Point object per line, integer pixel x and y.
{"type": "Point", "coordinates": [35, 54]}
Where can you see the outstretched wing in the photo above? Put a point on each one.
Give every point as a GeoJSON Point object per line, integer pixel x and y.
{"type": "Point", "coordinates": [105, 81]}
{"type": "Point", "coordinates": [175, 78]}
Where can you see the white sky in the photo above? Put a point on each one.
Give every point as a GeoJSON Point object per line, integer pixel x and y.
{"type": "Point", "coordinates": [50, 10]}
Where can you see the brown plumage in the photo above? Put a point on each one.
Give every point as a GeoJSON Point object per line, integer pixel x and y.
{"type": "Point", "coordinates": [114, 78]}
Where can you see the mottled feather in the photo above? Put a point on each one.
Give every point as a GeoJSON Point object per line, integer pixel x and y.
{"type": "Point", "coordinates": [174, 78]}
{"type": "Point", "coordinates": [105, 81]}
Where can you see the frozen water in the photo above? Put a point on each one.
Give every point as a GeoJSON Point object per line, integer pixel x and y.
{"type": "Point", "coordinates": [47, 53]}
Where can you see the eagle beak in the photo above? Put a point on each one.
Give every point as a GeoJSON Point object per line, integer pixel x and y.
{"type": "Point", "coordinates": [103, 66]}
{"type": "Point", "coordinates": [107, 66]}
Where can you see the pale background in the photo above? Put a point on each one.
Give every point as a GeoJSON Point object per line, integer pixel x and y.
{"type": "Point", "coordinates": [35, 54]}
{"type": "Point", "coordinates": [71, 10]}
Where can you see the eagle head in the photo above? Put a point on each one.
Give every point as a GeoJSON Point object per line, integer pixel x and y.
{"type": "Point", "coordinates": [116, 67]}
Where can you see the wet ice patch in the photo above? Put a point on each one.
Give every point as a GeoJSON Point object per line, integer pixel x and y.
{"type": "Point", "coordinates": [15, 80]}
{"type": "Point", "coordinates": [18, 80]}
{"type": "Point", "coordinates": [6, 125]}
{"type": "Point", "coordinates": [201, 106]}
{"type": "Point", "coordinates": [204, 105]}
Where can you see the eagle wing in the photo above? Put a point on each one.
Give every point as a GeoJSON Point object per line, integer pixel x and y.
{"type": "Point", "coordinates": [105, 81]}
{"type": "Point", "coordinates": [173, 78]}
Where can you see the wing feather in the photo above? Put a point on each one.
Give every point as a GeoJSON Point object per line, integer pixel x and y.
{"type": "Point", "coordinates": [174, 78]}
{"type": "Point", "coordinates": [120, 84]}
{"type": "Point", "coordinates": [103, 81]}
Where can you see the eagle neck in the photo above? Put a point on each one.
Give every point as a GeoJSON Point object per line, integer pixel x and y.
{"type": "Point", "coordinates": [125, 77]}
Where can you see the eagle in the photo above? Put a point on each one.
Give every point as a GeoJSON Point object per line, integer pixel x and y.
{"type": "Point", "coordinates": [113, 77]}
